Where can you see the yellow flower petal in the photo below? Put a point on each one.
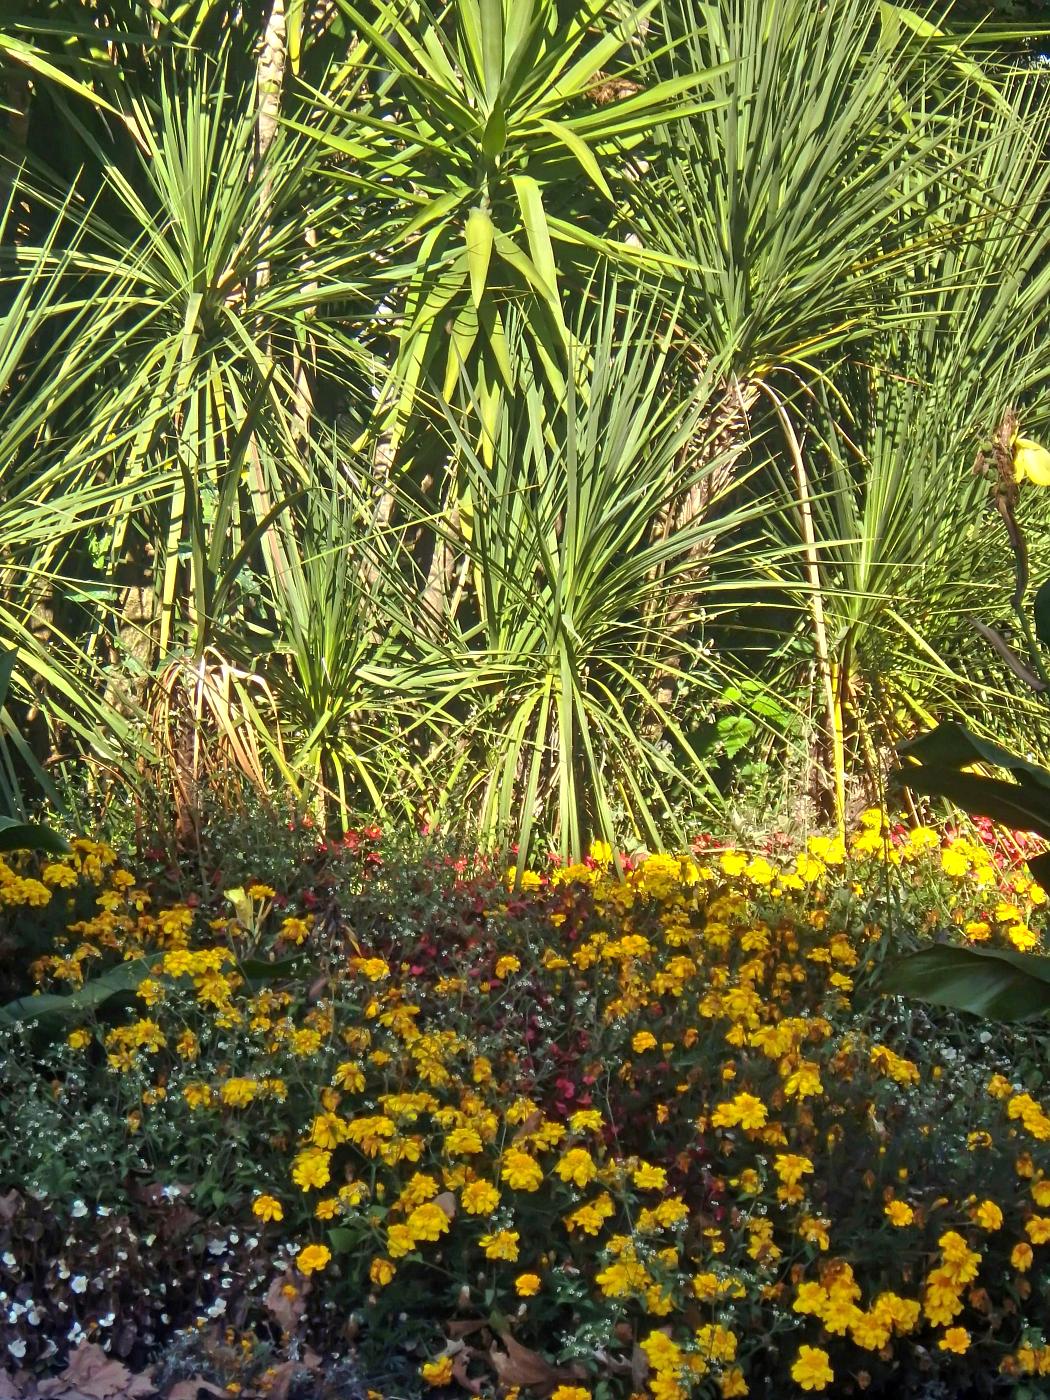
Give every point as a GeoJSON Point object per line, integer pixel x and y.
{"type": "Point", "coordinates": [1031, 461]}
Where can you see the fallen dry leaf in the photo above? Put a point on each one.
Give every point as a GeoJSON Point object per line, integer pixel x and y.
{"type": "Point", "coordinates": [190, 1390]}
{"type": "Point", "coordinates": [285, 1302]}
{"type": "Point", "coordinates": [520, 1366]}
{"type": "Point", "coordinates": [91, 1373]}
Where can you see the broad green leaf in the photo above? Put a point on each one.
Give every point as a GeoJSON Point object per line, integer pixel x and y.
{"type": "Point", "coordinates": [56, 1010]}
{"type": "Point", "coordinates": [998, 983]}
{"type": "Point", "coordinates": [1020, 807]}
{"type": "Point", "coordinates": [952, 745]}
{"type": "Point", "coordinates": [1041, 613]}
{"type": "Point", "coordinates": [479, 238]}
{"type": "Point", "coordinates": [27, 836]}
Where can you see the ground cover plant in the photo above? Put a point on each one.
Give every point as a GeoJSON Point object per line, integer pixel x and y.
{"type": "Point", "coordinates": [549, 1130]}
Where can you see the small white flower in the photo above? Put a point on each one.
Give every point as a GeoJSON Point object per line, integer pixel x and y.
{"type": "Point", "coordinates": [8, 1260]}
{"type": "Point", "coordinates": [79, 1209]}
{"type": "Point", "coordinates": [102, 1210]}
{"type": "Point", "coordinates": [17, 1349]}
{"type": "Point", "coordinates": [217, 1308]}
{"type": "Point", "coordinates": [79, 1284]}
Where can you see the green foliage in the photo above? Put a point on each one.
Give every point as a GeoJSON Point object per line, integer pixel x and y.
{"type": "Point", "coordinates": [315, 361]}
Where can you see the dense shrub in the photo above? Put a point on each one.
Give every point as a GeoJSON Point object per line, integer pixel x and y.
{"type": "Point", "coordinates": [560, 1131]}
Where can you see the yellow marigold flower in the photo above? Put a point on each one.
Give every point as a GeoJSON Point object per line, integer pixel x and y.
{"type": "Point", "coordinates": [375, 969]}
{"type": "Point", "coordinates": [1041, 1192]}
{"type": "Point", "coordinates": [733, 863]}
{"type": "Point", "coordinates": [78, 1039]}
{"type": "Point", "coordinates": [427, 1222]}
{"type": "Point", "coordinates": [903, 1313]}
{"type": "Point", "coordinates": [571, 1392]}
{"type": "Point", "coordinates": [649, 1178]}
{"type": "Point", "coordinates": [590, 1217]}
{"type": "Point", "coordinates": [267, 1208]}
{"type": "Point", "coordinates": [295, 930]}
{"type": "Point", "coordinates": [586, 1120]}
{"type": "Point", "coordinates": [791, 1168]}
{"type": "Point", "coordinates": [311, 1168]}
{"type": "Point", "coordinates": [988, 1216]}
{"type": "Point", "coordinates": [313, 1258]}
{"type": "Point", "coordinates": [899, 1213]}
{"type": "Point", "coordinates": [577, 1166]}
{"type": "Point", "coordinates": [527, 1285]}
{"type": "Point", "coordinates": [352, 1193]}
{"type": "Point", "coordinates": [260, 891]}
{"type": "Point", "coordinates": [811, 1369]}
{"type": "Point", "coordinates": [437, 1373]}
{"type": "Point", "coordinates": [745, 1111]}
{"type": "Point", "coordinates": [61, 876]}
{"type": "Point", "coordinates": [941, 1303]}
{"type": "Point", "coordinates": [671, 1211]}
{"type": "Point", "coordinates": [502, 1244]}
{"type": "Point", "coordinates": [479, 1198]}
{"type": "Point", "coordinates": [463, 1142]}
{"type": "Point", "coordinates": [732, 1383]}
{"type": "Point", "coordinates": [327, 1130]}
{"type": "Point", "coordinates": [349, 1075]}
{"type": "Point", "coordinates": [956, 1339]}
{"type": "Point", "coordinates": [1021, 1257]}
{"type": "Point", "coordinates": [871, 1331]}
{"type": "Point", "coordinates": [507, 964]}
{"type": "Point", "coordinates": [520, 1171]}
{"type": "Point", "coordinates": [998, 1087]}
{"type": "Point", "coordinates": [196, 1094]}
{"type": "Point", "coordinates": [1038, 1229]}
{"type": "Point", "coordinates": [804, 1082]}
{"type": "Point", "coordinates": [399, 1241]}
{"type": "Point", "coordinates": [814, 1230]}
{"type": "Point", "coordinates": [238, 1093]}
{"type": "Point", "coordinates": [381, 1271]}
{"type": "Point", "coordinates": [642, 1041]}
{"type": "Point", "coordinates": [1022, 937]}
{"type": "Point", "coordinates": [900, 1070]}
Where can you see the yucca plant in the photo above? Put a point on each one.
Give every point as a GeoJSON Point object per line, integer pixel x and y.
{"type": "Point", "coordinates": [490, 143]}
{"type": "Point", "coordinates": [553, 613]}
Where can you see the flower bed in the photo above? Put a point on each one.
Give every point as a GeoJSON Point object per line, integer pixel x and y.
{"type": "Point", "coordinates": [579, 1136]}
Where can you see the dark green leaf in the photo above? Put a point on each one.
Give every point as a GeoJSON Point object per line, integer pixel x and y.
{"type": "Point", "coordinates": [1020, 806]}
{"type": "Point", "coordinates": [1000, 984]}
{"type": "Point", "coordinates": [1041, 613]}
{"type": "Point", "coordinates": [951, 745]}
{"type": "Point", "coordinates": [56, 1009]}
{"type": "Point", "coordinates": [27, 836]}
